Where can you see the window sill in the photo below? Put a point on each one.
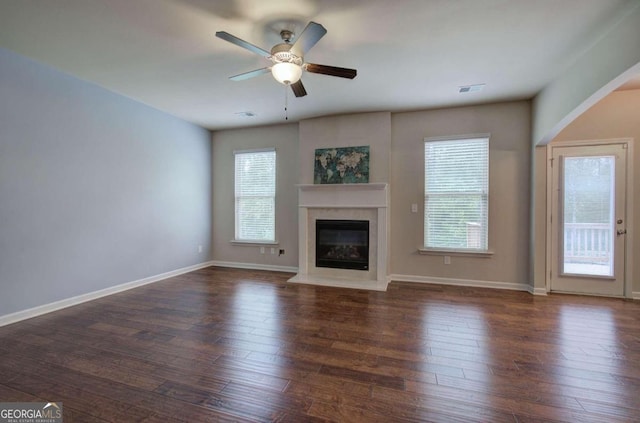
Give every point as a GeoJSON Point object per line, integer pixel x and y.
{"type": "Point", "coordinates": [455, 252]}
{"type": "Point", "coordinates": [253, 243]}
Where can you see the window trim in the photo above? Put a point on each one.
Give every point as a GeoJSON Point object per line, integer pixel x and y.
{"type": "Point", "coordinates": [250, 243]}
{"type": "Point", "coordinates": [462, 252]}
{"type": "Point", "coordinates": [255, 242]}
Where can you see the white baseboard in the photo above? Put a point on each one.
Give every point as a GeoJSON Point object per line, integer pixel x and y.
{"type": "Point", "coordinates": [461, 282]}
{"type": "Point", "coordinates": [537, 291]}
{"type": "Point", "coordinates": [68, 302]}
{"type": "Point", "coordinates": [635, 295]}
{"type": "Point", "coordinates": [255, 266]}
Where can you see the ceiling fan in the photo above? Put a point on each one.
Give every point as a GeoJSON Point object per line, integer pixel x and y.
{"type": "Point", "coordinates": [288, 59]}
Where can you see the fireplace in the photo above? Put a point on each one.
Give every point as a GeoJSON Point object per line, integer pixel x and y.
{"type": "Point", "coordinates": [342, 244]}
{"type": "Point", "coordinates": [344, 203]}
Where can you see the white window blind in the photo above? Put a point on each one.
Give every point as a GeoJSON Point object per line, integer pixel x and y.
{"type": "Point", "coordinates": [456, 181]}
{"type": "Point", "coordinates": [255, 193]}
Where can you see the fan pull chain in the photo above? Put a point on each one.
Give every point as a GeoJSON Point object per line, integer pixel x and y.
{"type": "Point", "coordinates": [286, 102]}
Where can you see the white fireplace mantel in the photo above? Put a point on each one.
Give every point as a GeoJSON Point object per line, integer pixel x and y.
{"type": "Point", "coordinates": [343, 195]}
{"type": "Point", "coordinates": [344, 201]}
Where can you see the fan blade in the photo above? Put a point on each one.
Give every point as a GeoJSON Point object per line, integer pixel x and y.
{"type": "Point", "coordinates": [242, 43]}
{"type": "Point", "coordinates": [251, 74]}
{"type": "Point", "coordinates": [309, 37]}
{"type": "Point", "coordinates": [331, 70]}
{"type": "Point", "coordinates": [298, 89]}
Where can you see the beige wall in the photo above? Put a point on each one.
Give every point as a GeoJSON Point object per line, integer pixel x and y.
{"type": "Point", "coordinates": [509, 186]}
{"type": "Point", "coordinates": [285, 140]}
{"type": "Point", "coordinates": [616, 116]}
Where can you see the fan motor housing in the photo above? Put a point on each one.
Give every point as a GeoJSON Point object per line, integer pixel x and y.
{"type": "Point", "coordinates": [281, 53]}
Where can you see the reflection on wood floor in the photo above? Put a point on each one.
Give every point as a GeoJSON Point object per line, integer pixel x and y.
{"type": "Point", "coordinates": [238, 345]}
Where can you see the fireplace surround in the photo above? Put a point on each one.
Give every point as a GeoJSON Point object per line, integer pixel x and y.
{"type": "Point", "coordinates": [346, 202]}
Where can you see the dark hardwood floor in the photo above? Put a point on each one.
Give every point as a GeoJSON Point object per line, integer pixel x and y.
{"type": "Point", "coordinates": [220, 345]}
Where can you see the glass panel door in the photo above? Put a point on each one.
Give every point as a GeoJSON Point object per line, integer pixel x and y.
{"type": "Point", "coordinates": [588, 220]}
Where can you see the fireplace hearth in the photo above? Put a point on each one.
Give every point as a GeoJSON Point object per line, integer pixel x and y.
{"type": "Point", "coordinates": [342, 244]}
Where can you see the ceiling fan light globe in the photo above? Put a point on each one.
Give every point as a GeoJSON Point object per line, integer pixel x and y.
{"type": "Point", "coordinates": [286, 73]}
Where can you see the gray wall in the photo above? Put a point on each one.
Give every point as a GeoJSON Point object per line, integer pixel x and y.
{"type": "Point", "coordinates": [610, 61]}
{"type": "Point", "coordinates": [96, 190]}
{"type": "Point", "coordinates": [371, 129]}
{"type": "Point", "coordinates": [284, 138]}
{"type": "Point", "coordinates": [509, 180]}
{"type": "Point", "coordinates": [397, 149]}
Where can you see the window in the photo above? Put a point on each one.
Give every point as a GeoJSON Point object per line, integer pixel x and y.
{"type": "Point", "coordinates": [255, 192]}
{"type": "Point", "coordinates": [456, 180]}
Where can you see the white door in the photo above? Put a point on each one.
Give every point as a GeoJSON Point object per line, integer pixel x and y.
{"type": "Point", "coordinates": [588, 219]}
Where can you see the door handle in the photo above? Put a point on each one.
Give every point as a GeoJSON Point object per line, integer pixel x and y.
{"type": "Point", "coordinates": [621, 232]}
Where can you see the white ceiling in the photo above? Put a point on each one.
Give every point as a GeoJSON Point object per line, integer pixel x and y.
{"type": "Point", "coordinates": [410, 54]}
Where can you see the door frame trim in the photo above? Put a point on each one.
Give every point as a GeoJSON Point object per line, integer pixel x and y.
{"type": "Point", "coordinates": [628, 245]}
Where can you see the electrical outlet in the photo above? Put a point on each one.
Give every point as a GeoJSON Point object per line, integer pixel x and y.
{"type": "Point", "coordinates": [273, 250]}
{"type": "Point", "coordinates": [261, 250]}
{"type": "Point", "coordinates": [447, 260]}
{"type": "Point", "coordinates": [414, 208]}
{"type": "Point", "coordinates": [199, 248]}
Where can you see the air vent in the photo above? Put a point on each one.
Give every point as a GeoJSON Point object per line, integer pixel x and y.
{"type": "Point", "coordinates": [245, 114]}
{"type": "Point", "coordinates": [470, 88]}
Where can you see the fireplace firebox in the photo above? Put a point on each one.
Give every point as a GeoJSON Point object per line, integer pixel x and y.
{"type": "Point", "coordinates": [342, 244]}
